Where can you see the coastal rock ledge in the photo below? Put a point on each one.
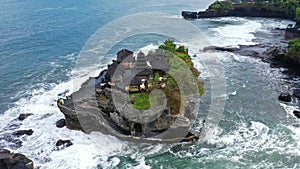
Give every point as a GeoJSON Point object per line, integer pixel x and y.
{"type": "Point", "coordinates": [228, 9]}
{"type": "Point", "coordinates": [9, 160]}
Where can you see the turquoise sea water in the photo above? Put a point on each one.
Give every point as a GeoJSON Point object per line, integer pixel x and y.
{"type": "Point", "coordinates": [39, 44]}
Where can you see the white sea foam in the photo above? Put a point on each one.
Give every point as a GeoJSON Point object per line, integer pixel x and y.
{"type": "Point", "coordinates": [238, 32]}
{"type": "Point", "coordinates": [40, 146]}
{"type": "Point", "coordinates": [255, 137]}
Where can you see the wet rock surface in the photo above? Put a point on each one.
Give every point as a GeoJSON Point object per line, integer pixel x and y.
{"type": "Point", "coordinates": [66, 143]}
{"type": "Point", "coordinates": [9, 160]}
{"type": "Point", "coordinates": [61, 123]}
{"type": "Point", "coordinates": [24, 116]}
{"type": "Point", "coordinates": [23, 132]}
{"type": "Point", "coordinates": [297, 113]}
{"type": "Point", "coordinates": [285, 96]}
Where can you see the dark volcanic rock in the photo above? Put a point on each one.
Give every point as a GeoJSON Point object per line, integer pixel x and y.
{"type": "Point", "coordinates": [9, 160]}
{"type": "Point", "coordinates": [274, 65]}
{"type": "Point", "coordinates": [296, 113]}
{"type": "Point", "coordinates": [242, 10]}
{"type": "Point", "coordinates": [61, 123]}
{"type": "Point", "coordinates": [23, 132]}
{"type": "Point", "coordinates": [286, 97]}
{"type": "Point", "coordinates": [217, 48]}
{"type": "Point", "coordinates": [296, 93]}
{"type": "Point", "coordinates": [24, 116]}
{"type": "Point", "coordinates": [66, 143]}
{"type": "Point", "coordinates": [189, 15]}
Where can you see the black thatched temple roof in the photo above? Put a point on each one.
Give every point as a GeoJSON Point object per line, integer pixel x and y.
{"type": "Point", "coordinates": [159, 62]}
{"type": "Point", "coordinates": [123, 54]}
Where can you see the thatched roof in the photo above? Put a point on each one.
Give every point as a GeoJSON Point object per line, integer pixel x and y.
{"type": "Point", "coordinates": [159, 62]}
{"type": "Point", "coordinates": [123, 54]}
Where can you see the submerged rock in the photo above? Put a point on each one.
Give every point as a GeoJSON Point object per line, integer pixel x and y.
{"type": "Point", "coordinates": [24, 116]}
{"type": "Point", "coordinates": [9, 160]}
{"type": "Point", "coordinates": [297, 113]}
{"type": "Point", "coordinates": [61, 123]}
{"type": "Point", "coordinates": [66, 143]}
{"type": "Point", "coordinates": [23, 132]}
{"type": "Point", "coordinates": [285, 96]}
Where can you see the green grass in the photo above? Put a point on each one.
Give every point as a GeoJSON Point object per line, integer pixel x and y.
{"type": "Point", "coordinates": [142, 101]}
{"type": "Point", "coordinates": [102, 97]}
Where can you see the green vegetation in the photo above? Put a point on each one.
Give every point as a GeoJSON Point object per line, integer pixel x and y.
{"type": "Point", "coordinates": [285, 6]}
{"type": "Point", "coordinates": [168, 45]}
{"type": "Point", "coordinates": [298, 15]}
{"type": "Point", "coordinates": [181, 49]}
{"type": "Point", "coordinates": [201, 87]}
{"type": "Point", "coordinates": [179, 62]}
{"type": "Point", "coordinates": [102, 97]}
{"type": "Point", "coordinates": [221, 5]}
{"type": "Point", "coordinates": [294, 49]}
{"type": "Point", "coordinates": [181, 53]}
{"type": "Point", "coordinates": [141, 101]}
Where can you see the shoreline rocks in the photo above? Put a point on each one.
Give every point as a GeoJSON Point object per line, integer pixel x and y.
{"type": "Point", "coordinates": [297, 113]}
{"type": "Point", "coordinates": [9, 160]}
{"type": "Point", "coordinates": [61, 123]}
{"type": "Point", "coordinates": [66, 143]}
{"type": "Point", "coordinates": [23, 132]}
{"type": "Point", "coordinates": [24, 116]}
{"type": "Point", "coordinates": [241, 10]}
{"type": "Point", "coordinates": [285, 96]}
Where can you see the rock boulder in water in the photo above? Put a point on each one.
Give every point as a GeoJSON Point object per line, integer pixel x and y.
{"type": "Point", "coordinates": [23, 132]}
{"type": "Point", "coordinates": [297, 113]}
{"type": "Point", "coordinates": [286, 97]}
{"type": "Point", "coordinates": [61, 123]}
{"type": "Point", "coordinates": [9, 160]}
{"type": "Point", "coordinates": [66, 143]}
{"type": "Point", "coordinates": [24, 116]}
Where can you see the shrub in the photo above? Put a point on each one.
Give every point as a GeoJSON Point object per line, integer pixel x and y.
{"type": "Point", "coordinates": [168, 45]}
{"type": "Point", "coordinates": [221, 5]}
{"type": "Point", "coordinates": [180, 49]}
{"type": "Point", "coordinates": [298, 15]}
{"type": "Point", "coordinates": [294, 49]}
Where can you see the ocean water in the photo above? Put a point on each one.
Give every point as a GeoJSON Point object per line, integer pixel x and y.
{"type": "Point", "coordinates": [39, 46]}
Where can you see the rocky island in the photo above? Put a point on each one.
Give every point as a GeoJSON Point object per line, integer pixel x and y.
{"type": "Point", "coordinates": [144, 98]}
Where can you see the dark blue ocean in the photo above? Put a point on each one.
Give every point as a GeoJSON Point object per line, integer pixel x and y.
{"type": "Point", "coordinates": [40, 42]}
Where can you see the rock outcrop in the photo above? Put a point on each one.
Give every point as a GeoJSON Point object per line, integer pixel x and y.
{"type": "Point", "coordinates": [23, 132]}
{"type": "Point", "coordinates": [296, 113]}
{"type": "Point", "coordinates": [66, 143]}
{"type": "Point", "coordinates": [242, 10]}
{"type": "Point", "coordinates": [9, 160]}
{"type": "Point", "coordinates": [61, 123]}
{"type": "Point", "coordinates": [285, 96]}
{"type": "Point", "coordinates": [24, 116]}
